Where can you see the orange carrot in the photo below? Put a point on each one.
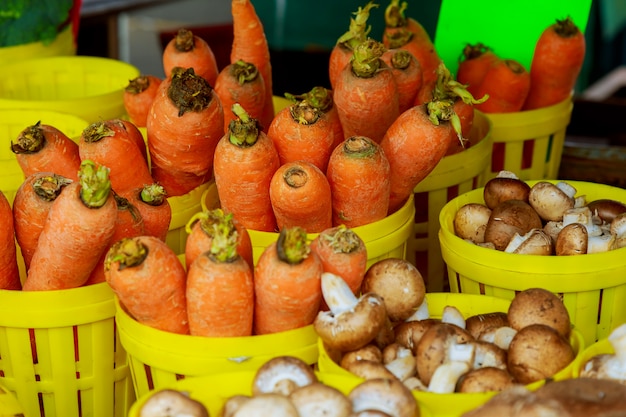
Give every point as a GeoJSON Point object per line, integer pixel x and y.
{"type": "Point", "coordinates": [474, 62]}
{"type": "Point", "coordinates": [108, 143]}
{"type": "Point", "coordinates": [201, 228]}
{"type": "Point", "coordinates": [287, 284]}
{"type": "Point", "coordinates": [301, 132]}
{"type": "Point", "coordinates": [240, 82]}
{"type": "Point", "coordinates": [187, 50]}
{"type": "Point", "coordinates": [9, 271]}
{"type": "Point", "coordinates": [366, 97]}
{"type": "Point", "coordinates": [185, 123]}
{"type": "Point", "coordinates": [156, 211]}
{"type": "Point", "coordinates": [80, 225]}
{"type": "Point", "coordinates": [414, 145]}
{"type": "Point", "coordinates": [557, 60]}
{"type": "Point", "coordinates": [245, 161]}
{"type": "Point", "coordinates": [150, 282]}
{"type": "Point", "coordinates": [358, 174]}
{"type": "Point", "coordinates": [250, 45]}
{"type": "Point", "coordinates": [507, 84]}
{"type": "Point", "coordinates": [300, 196]}
{"type": "Point", "coordinates": [220, 288]}
{"type": "Point", "coordinates": [138, 97]}
{"type": "Point", "coordinates": [408, 74]}
{"type": "Point", "coordinates": [31, 205]}
{"type": "Point", "coordinates": [341, 53]}
{"type": "Point", "coordinates": [342, 253]}
{"type": "Point", "coordinates": [135, 134]}
{"type": "Point", "coordinates": [42, 147]}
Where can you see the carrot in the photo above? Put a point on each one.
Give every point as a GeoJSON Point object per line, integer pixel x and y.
{"type": "Point", "coordinates": [149, 282]}
{"type": "Point", "coordinates": [506, 83]}
{"type": "Point", "coordinates": [240, 82]}
{"type": "Point", "coordinates": [108, 143]}
{"type": "Point", "coordinates": [408, 74]}
{"type": "Point", "coordinates": [135, 134]}
{"type": "Point", "coordinates": [342, 253]}
{"type": "Point", "coordinates": [250, 45]}
{"type": "Point", "coordinates": [31, 205]}
{"type": "Point", "coordinates": [301, 132]}
{"type": "Point", "coordinates": [9, 271]}
{"type": "Point", "coordinates": [202, 226]}
{"type": "Point", "coordinates": [156, 211]}
{"type": "Point", "coordinates": [187, 50]}
{"type": "Point", "coordinates": [42, 147]}
{"type": "Point", "coordinates": [80, 225]}
{"type": "Point", "coordinates": [287, 284]}
{"type": "Point", "coordinates": [220, 287]}
{"type": "Point", "coordinates": [358, 174]}
{"type": "Point", "coordinates": [341, 53]}
{"type": "Point", "coordinates": [300, 196]}
{"type": "Point", "coordinates": [185, 123]}
{"type": "Point", "coordinates": [557, 61]}
{"type": "Point", "coordinates": [245, 161]}
{"type": "Point", "coordinates": [414, 145]}
{"type": "Point", "coordinates": [366, 96]}
{"type": "Point", "coordinates": [474, 62]}
{"type": "Point", "coordinates": [138, 96]}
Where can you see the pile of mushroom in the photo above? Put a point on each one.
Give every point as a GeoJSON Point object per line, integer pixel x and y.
{"type": "Point", "coordinates": [545, 219]}
{"type": "Point", "coordinates": [610, 366]}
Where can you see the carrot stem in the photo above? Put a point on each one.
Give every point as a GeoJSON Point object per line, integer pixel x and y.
{"type": "Point", "coordinates": [366, 59]}
{"type": "Point", "coordinates": [153, 194]}
{"type": "Point", "coordinates": [447, 87]}
{"type": "Point", "coordinates": [304, 113]}
{"type": "Point", "coordinates": [224, 240]}
{"type": "Point", "coordinates": [31, 140]}
{"type": "Point", "coordinates": [292, 245]}
{"type": "Point", "coordinates": [243, 131]}
{"type": "Point", "coordinates": [395, 14]}
{"type": "Point", "coordinates": [244, 71]}
{"type": "Point", "coordinates": [188, 91]}
{"type": "Point", "coordinates": [128, 252]}
{"type": "Point", "coordinates": [97, 131]}
{"type": "Point", "coordinates": [319, 97]}
{"type": "Point", "coordinates": [184, 40]}
{"type": "Point", "coordinates": [343, 240]}
{"type": "Point", "coordinates": [95, 184]}
{"type": "Point", "coordinates": [359, 29]}
{"type": "Point", "coordinates": [48, 187]}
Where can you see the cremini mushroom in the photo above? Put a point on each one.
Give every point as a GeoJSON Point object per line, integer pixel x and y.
{"type": "Point", "coordinates": [539, 306]}
{"type": "Point", "coordinates": [505, 186]}
{"type": "Point", "coordinates": [387, 395]}
{"type": "Point", "coordinates": [367, 369]}
{"type": "Point", "coordinates": [551, 200]}
{"type": "Point", "coordinates": [485, 379]}
{"type": "Point", "coordinates": [584, 216]}
{"type": "Point", "coordinates": [400, 361]}
{"type": "Point", "coordinates": [267, 404]}
{"type": "Point", "coordinates": [488, 355]}
{"type": "Point", "coordinates": [409, 333]}
{"type": "Point", "coordinates": [453, 315]}
{"type": "Point", "coordinates": [617, 228]}
{"type": "Point", "coordinates": [534, 242]}
{"type": "Point", "coordinates": [470, 222]}
{"type": "Point", "coordinates": [446, 376]}
{"type": "Point", "coordinates": [368, 352]}
{"type": "Point", "coordinates": [281, 375]}
{"type": "Point", "coordinates": [606, 209]}
{"type": "Point", "coordinates": [507, 219]}
{"type": "Point", "coordinates": [232, 404]}
{"type": "Point", "coordinates": [478, 323]}
{"type": "Point", "coordinates": [500, 336]}
{"type": "Point", "coordinates": [609, 365]}
{"type": "Point", "coordinates": [172, 403]}
{"type": "Point", "coordinates": [320, 400]}
{"type": "Point", "coordinates": [573, 239]}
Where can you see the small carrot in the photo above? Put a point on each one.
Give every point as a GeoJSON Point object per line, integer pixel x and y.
{"type": "Point", "coordinates": [474, 62]}
{"type": "Point", "coordinates": [358, 174]}
{"type": "Point", "coordinates": [9, 271]}
{"type": "Point", "coordinates": [108, 143]}
{"type": "Point", "coordinates": [138, 96]}
{"type": "Point", "coordinates": [342, 253]}
{"type": "Point", "coordinates": [202, 226]}
{"type": "Point", "coordinates": [250, 45]}
{"type": "Point", "coordinates": [341, 53]}
{"type": "Point", "coordinates": [42, 147]}
{"type": "Point", "coordinates": [136, 135]}
{"type": "Point", "coordinates": [300, 196]}
{"type": "Point", "coordinates": [408, 74]}
{"type": "Point", "coordinates": [185, 123]}
{"type": "Point", "coordinates": [150, 282]}
{"type": "Point", "coordinates": [245, 161]}
{"type": "Point", "coordinates": [187, 50]}
{"type": "Point", "coordinates": [287, 284]}
{"type": "Point", "coordinates": [557, 61]}
{"type": "Point", "coordinates": [31, 205]}
{"type": "Point", "coordinates": [80, 225]}
{"type": "Point", "coordinates": [506, 83]}
{"type": "Point", "coordinates": [240, 82]}
{"type": "Point", "coordinates": [156, 211]}
{"type": "Point", "coordinates": [366, 96]}
{"type": "Point", "coordinates": [220, 288]}
{"type": "Point", "coordinates": [414, 145]}
{"type": "Point", "coordinates": [301, 132]}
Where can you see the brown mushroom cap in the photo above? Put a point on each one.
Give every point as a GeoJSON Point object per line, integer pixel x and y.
{"type": "Point", "coordinates": [390, 396]}
{"type": "Point", "coordinates": [535, 242]}
{"type": "Point", "coordinates": [538, 305]}
{"type": "Point", "coordinates": [572, 240]}
{"type": "Point", "coordinates": [549, 201]}
{"type": "Point", "coordinates": [478, 323]}
{"type": "Point", "coordinates": [470, 222]}
{"type": "Point", "coordinates": [232, 404]}
{"type": "Point", "coordinates": [485, 379]}
{"type": "Point", "coordinates": [518, 401]}
{"type": "Point", "coordinates": [500, 189]}
{"type": "Point", "coordinates": [282, 374]}
{"type": "Point", "coordinates": [368, 352]}
{"type": "Point", "coordinates": [174, 402]}
{"type": "Point", "coordinates": [606, 209]}
{"type": "Point", "coordinates": [369, 370]}
{"type": "Point", "coordinates": [267, 404]}
{"type": "Point", "coordinates": [321, 400]}
{"type": "Point", "coordinates": [507, 219]}
{"type": "Point", "coordinates": [409, 333]}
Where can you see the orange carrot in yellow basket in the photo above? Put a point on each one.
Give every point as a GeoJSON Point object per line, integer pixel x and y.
{"type": "Point", "coordinates": [9, 271]}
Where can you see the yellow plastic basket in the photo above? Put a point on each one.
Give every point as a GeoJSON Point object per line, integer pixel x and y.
{"type": "Point", "coordinates": [60, 354]}
{"type": "Point", "coordinates": [453, 175]}
{"type": "Point", "coordinates": [602, 346]}
{"type": "Point", "coordinates": [453, 405]}
{"type": "Point", "coordinates": [62, 45]}
{"type": "Point", "coordinates": [89, 87]}
{"type": "Point", "coordinates": [9, 407]}
{"type": "Point", "coordinates": [592, 286]}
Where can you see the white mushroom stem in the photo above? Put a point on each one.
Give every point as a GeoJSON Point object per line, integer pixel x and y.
{"type": "Point", "coordinates": [421, 313]}
{"type": "Point", "coordinates": [617, 338]}
{"type": "Point", "coordinates": [446, 375]}
{"type": "Point", "coordinates": [452, 315]}
{"type": "Point", "coordinates": [618, 228]}
{"type": "Point", "coordinates": [337, 294]}
{"type": "Point", "coordinates": [582, 215]}
{"type": "Point", "coordinates": [500, 336]}
{"type": "Point", "coordinates": [404, 365]}
{"type": "Point", "coordinates": [461, 352]}
{"type": "Point", "coordinates": [600, 243]}
{"type": "Point", "coordinates": [507, 174]}
{"type": "Point", "coordinates": [567, 188]}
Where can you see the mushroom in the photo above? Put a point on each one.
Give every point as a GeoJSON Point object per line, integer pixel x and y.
{"type": "Point", "coordinates": [350, 322]}
{"type": "Point", "coordinates": [399, 283]}
{"type": "Point", "coordinates": [281, 375]}
{"type": "Point", "coordinates": [421, 312]}
{"type": "Point", "coordinates": [550, 200]}
{"type": "Point", "coordinates": [488, 355]}
{"type": "Point", "coordinates": [446, 376]}
{"type": "Point", "coordinates": [470, 222]}
{"type": "Point", "coordinates": [573, 239]}
{"type": "Point", "coordinates": [368, 352]}
{"type": "Point", "coordinates": [232, 404]}
{"type": "Point", "coordinates": [505, 186]}
{"type": "Point", "coordinates": [267, 404]}
{"type": "Point", "coordinates": [172, 403]}
{"type": "Point", "coordinates": [601, 243]}
{"type": "Point", "coordinates": [539, 306]}
{"type": "Point", "coordinates": [499, 336]}
{"type": "Point", "coordinates": [400, 361]}
{"type": "Point", "coordinates": [321, 400]}
{"type": "Point", "coordinates": [485, 379]}
{"type": "Point", "coordinates": [453, 315]}
{"type": "Point", "coordinates": [479, 323]}
{"type": "Point", "coordinates": [618, 229]}
{"type": "Point", "coordinates": [367, 370]}
{"type": "Point", "coordinates": [535, 242]}
{"type": "Point", "coordinates": [606, 209]}
{"type": "Point", "coordinates": [507, 219]}
{"type": "Point", "coordinates": [518, 401]}
{"type": "Point", "coordinates": [387, 395]}
{"type": "Point", "coordinates": [585, 217]}
{"type": "Point", "coordinates": [609, 365]}
{"type": "Point", "coordinates": [409, 333]}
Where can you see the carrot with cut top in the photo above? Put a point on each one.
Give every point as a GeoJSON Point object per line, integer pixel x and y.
{"type": "Point", "coordinates": [250, 45]}
{"type": "Point", "coordinates": [150, 282]}
{"type": "Point", "coordinates": [300, 196]}
{"type": "Point", "coordinates": [240, 82]}
{"type": "Point", "coordinates": [557, 61]}
{"type": "Point", "coordinates": [366, 94]}
{"type": "Point", "coordinates": [245, 161]}
{"type": "Point", "coordinates": [185, 123]}
{"type": "Point", "coordinates": [287, 284]}
{"type": "Point", "coordinates": [31, 205]}
{"type": "Point", "coordinates": [44, 148]}
{"type": "Point", "coordinates": [187, 50]}
{"type": "Point", "coordinates": [220, 287]}
{"type": "Point", "coordinates": [358, 174]}
{"type": "Point", "coordinates": [474, 62]}
{"type": "Point", "coordinates": [408, 74]}
{"type": "Point", "coordinates": [136, 135]}
{"type": "Point", "coordinates": [202, 226]}
{"type": "Point", "coordinates": [506, 83]}
{"type": "Point", "coordinates": [156, 211]}
{"type": "Point", "coordinates": [138, 97]}
{"type": "Point", "coordinates": [9, 271]}
{"type": "Point", "coordinates": [80, 225]}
